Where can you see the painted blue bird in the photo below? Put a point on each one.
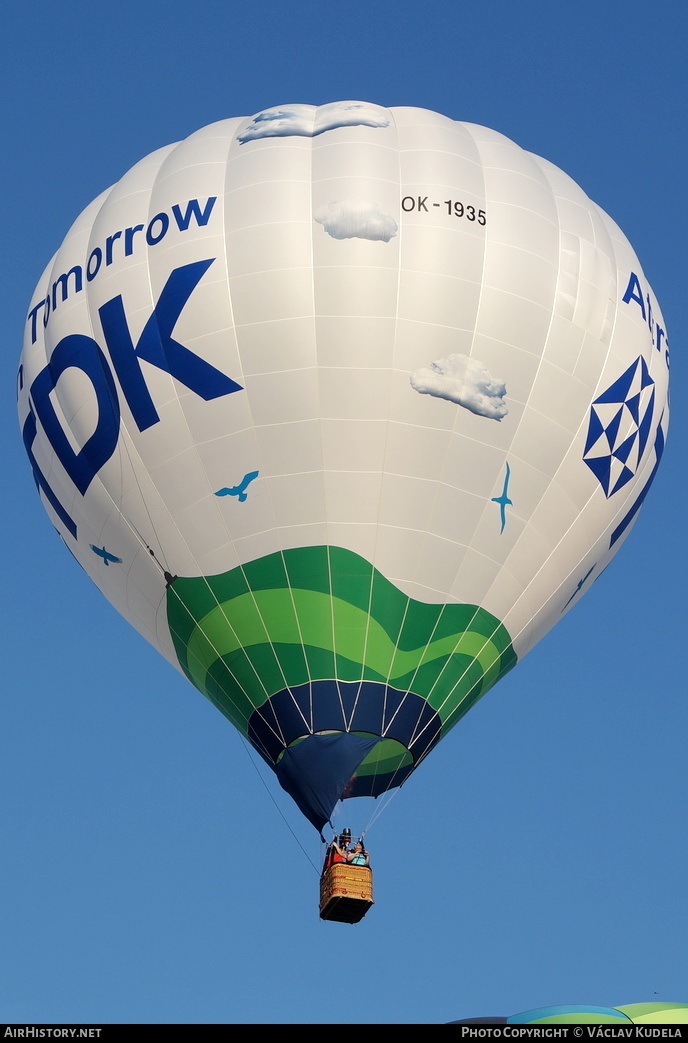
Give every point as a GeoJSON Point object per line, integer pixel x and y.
{"type": "Point", "coordinates": [578, 587]}
{"type": "Point", "coordinates": [104, 554]}
{"type": "Point", "coordinates": [240, 489]}
{"type": "Point", "coordinates": [503, 500]}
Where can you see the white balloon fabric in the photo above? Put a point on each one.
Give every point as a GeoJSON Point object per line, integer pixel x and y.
{"type": "Point", "coordinates": [258, 392]}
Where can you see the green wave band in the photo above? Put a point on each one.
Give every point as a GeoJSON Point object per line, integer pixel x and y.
{"type": "Point", "coordinates": [317, 613]}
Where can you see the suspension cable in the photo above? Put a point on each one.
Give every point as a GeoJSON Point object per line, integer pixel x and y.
{"type": "Point", "coordinates": [283, 816]}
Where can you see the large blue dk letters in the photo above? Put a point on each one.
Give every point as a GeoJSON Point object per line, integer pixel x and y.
{"type": "Point", "coordinates": [156, 345]}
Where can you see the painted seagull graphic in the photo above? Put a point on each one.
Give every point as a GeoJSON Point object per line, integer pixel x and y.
{"type": "Point", "coordinates": [104, 554]}
{"type": "Point", "coordinates": [503, 500]}
{"type": "Point", "coordinates": [578, 587]}
{"type": "Point", "coordinates": [240, 489]}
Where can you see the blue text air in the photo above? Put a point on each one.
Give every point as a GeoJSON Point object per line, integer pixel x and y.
{"type": "Point", "coordinates": [635, 293]}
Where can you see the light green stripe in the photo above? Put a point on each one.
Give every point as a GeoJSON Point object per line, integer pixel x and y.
{"type": "Point", "coordinates": [238, 624]}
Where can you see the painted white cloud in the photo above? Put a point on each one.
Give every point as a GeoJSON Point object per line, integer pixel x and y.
{"type": "Point", "coordinates": [349, 114]}
{"type": "Point", "coordinates": [280, 122]}
{"type": "Point", "coordinates": [465, 381]}
{"type": "Point", "coordinates": [309, 121]}
{"type": "Point", "coordinates": [356, 219]}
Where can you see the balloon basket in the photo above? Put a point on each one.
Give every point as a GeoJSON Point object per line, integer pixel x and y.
{"type": "Point", "coordinates": [346, 893]}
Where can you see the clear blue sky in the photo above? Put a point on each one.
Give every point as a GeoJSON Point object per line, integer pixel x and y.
{"type": "Point", "coordinates": [539, 855]}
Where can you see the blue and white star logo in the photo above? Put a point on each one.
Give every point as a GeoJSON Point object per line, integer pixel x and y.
{"type": "Point", "coordinates": [619, 428]}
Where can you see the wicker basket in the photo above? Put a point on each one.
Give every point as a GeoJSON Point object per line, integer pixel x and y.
{"type": "Point", "coordinates": [346, 893]}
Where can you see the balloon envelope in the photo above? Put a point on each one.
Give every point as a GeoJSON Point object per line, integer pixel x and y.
{"type": "Point", "coordinates": [585, 1014]}
{"type": "Point", "coordinates": [343, 408]}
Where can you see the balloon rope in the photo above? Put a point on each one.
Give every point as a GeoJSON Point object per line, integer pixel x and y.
{"type": "Point", "coordinates": [381, 807]}
{"type": "Point", "coordinates": [268, 791]}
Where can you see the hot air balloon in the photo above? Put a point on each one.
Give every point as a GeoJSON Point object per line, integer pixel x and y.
{"type": "Point", "coordinates": [343, 407]}
{"type": "Point", "coordinates": [585, 1014]}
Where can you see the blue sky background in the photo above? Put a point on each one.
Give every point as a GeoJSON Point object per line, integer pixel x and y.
{"type": "Point", "coordinates": [539, 856]}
